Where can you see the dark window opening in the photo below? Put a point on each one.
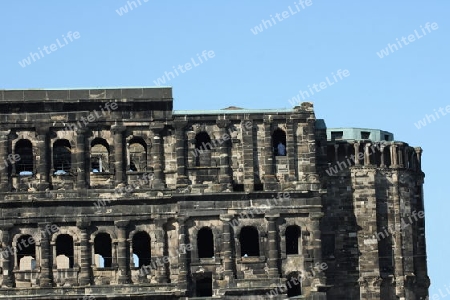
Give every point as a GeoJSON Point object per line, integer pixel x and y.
{"type": "Point", "coordinates": [24, 149]}
{"type": "Point", "coordinates": [293, 285]}
{"type": "Point", "coordinates": [386, 137]}
{"type": "Point", "coordinates": [138, 155]}
{"type": "Point", "coordinates": [62, 157]}
{"type": "Point", "coordinates": [141, 247]}
{"type": "Point", "coordinates": [238, 187]}
{"type": "Point", "coordinates": [99, 156]}
{"type": "Point", "coordinates": [249, 239]}
{"type": "Point", "coordinates": [279, 142]}
{"type": "Point", "coordinates": [103, 247]}
{"type": "Point", "coordinates": [365, 135]}
{"type": "Point", "coordinates": [292, 237]}
{"type": "Point", "coordinates": [204, 287]}
{"type": "Point", "coordinates": [387, 156]}
{"type": "Point", "coordinates": [203, 149]}
{"type": "Point", "coordinates": [205, 243]}
{"type": "Point", "coordinates": [328, 245]}
{"type": "Point", "coordinates": [258, 187]}
{"type": "Point", "coordinates": [64, 246]}
{"type": "Point", "coordinates": [25, 248]}
{"type": "Point", "coordinates": [337, 135]}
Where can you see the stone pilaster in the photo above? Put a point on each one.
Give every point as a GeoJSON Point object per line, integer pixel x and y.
{"type": "Point", "coordinates": [270, 181]}
{"type": "Point", "coordinates": [223, 150]}
{"type": "Point", "coordinates": [157, 155]}
{"type": "Point", "coordinates": [183, 261]}
{"type": "Point", "coordinates": [46, 256]}
{"type": "Point", "coordinates": [226, 246]}
{"type": "Point", "coordinates": [85, 258]}
{"type": "Point", "coordinates": [122, 253]}
{"type": "Point", "coordinates": [394, 160]}
{"type": "Point", "coordinates": [182, 179]}
{"type": "Point", "coordinates": [4, 162]}
{"type": "Point", "coordinates": [119, 157]}
{"type": "Point", "coordinates": [8, 280]}
{"type": "Point", "coordinates": [356, 145]}
{"type": "Point", "coordinates": [419, 158]}
{"type": "Point", "coordinates": [247, 147]}
{"type": "Point", "coordinates": [80, 155]}
{"type": "Point", "coordinates": [42, 157]}
{"type": "Point", "coordinates": [272, 260]}
{"type": "Point", "coordinates": [367, 154]}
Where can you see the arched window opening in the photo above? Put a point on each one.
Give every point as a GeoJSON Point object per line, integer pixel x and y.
{"type": "Point", "coordinates": [205, 243]}
{"type": "Point", "coordinates": [203, 149]}
{"type": "Point", "coordinates": [292, 238]}
{"type": "Point", "coordinates": [99, 156]}
{"type": "Point", "coordinates": [26, 252]}
{"type": "Point", "coordinates": [64, 246]}
{"type": "Point", "coordinates": [62, 157]}
{"type": "Point", "coordinates": [387, 156]}
{"type": "Point", "coordinates": [138, 155]}
{"type": "Point", "coordinates": [103, 247]}
{"type": "Point", "coordinates": [24, 149]}
{"type": "Point", "coordinates": [204, 287]}
{"type": "Point", "coordinates": [279, 142]}
{"type": "Point", "coordinates": [141, 247]}
{"type": "Point", "coordinates": [249, 239]}
{"type": "Point", "coordinates": [293, 285]}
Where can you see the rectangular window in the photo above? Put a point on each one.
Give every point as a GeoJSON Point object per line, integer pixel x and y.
{"type": "Point", "coordinates": [337, 135]}
{"type": "Point", "coordinates": [365, 135]}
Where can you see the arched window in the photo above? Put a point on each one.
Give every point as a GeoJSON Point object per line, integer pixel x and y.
{"type": "Point", "coordinates": [26, 252]}
{"type": "Point", "coordinates": [25, 150]}
{"type": "Point", "coordinates": [279, 142]}
{"type": "Point", "coordinates": [249, 239]}
{"type": "Point", "coordinates": [205, 243]}
{"type": "Point", "coordinates": [294, 285]}
{"type": "Point", "coordinates": [64, 246]}
{"type": "Point", "coordinates": [292, 238]}
{"type": "Point", "coordinates": [103, 247]}
{"type": "Point", "coordinates": [202, 151]}
{"type": "Point", "coordinates": [141, 247]}
{"type": "Point", "coordinates": [99, 156]}
{"type": "Point", "coordinates": [138, 155]}
{"type": "Point", "coordinates": [62, 157]}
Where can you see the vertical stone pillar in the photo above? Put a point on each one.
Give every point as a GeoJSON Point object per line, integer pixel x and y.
{"type": "Point", "coordinates": [46, 256]}
{"type": "Point", "coordinates": [382, 159]}
{"type": "Point", "coordinates": [119, 156]}
{"type": "Point", "coordinates": [397, 239]}
{"type": "Point", "coordinates": [85, 258]}
{"type": "Point", "coordinates": [42, 158]}
{"type": "Point", "coordinates": [270, 181]}
{"type": "Point", "coordinates": [367, 154]}
{"type": "Point", "coordinates": [182, 262]}
{"type": "Point", "coordinates": [356, 145]}
{"type": "Point", "coordinates": [80, 165]}
{"type": "Point", "coordinates": [400, 155]}
{"type": "Point", "coordinates": [272, 260]}
{"type": "Point", "coordinates": [122, 252]}
{"type": "Point", "coordinates": [4, 147]}
{"type": "Point", "coordinates": [223, 150]}
{"type": "Point", "coordinates": [226, 246]}
{"type": "Point", "coordinates": [394, 161]}
{"type": "Point", "coordinates": [248, 161]}
{"type": "Point", "coordinates": [419, 158]}
{"type": "Point", "coordinates": [316, 243]}
{"type": "Point", "coordinates": [182, 179]}
{"type": "Point", "coordinates": [157, 154]}
{"type": "Point", "coordinates": [7, 255]}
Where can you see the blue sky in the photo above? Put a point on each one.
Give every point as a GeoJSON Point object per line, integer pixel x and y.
{"type": "Point", "coordinates": [261, 70]}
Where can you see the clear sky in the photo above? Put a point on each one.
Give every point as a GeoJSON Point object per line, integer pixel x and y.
{"type": "Point", "coordinates": [300, 48]}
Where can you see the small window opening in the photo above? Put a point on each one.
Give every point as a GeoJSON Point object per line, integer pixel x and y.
{"type": "Point", "coordinates": [99, 156]}
{"type": "Point", "coordinates": [279, 142]}
{"type": "Point", "coordinates": [292, 237]}
{"type": "Point", "coordinates": [64, 246]}
{"type": "Point", "coordinates": [102, 247]}
{"type": "Point", "coordinates": [62, 157]}
{"type": "Point", "coordinates": [365, 135]}
{"type": "Point", "coordinates": [203, 149]}
{"type": "Point", "coordinates": [204, 287]}
{"type": "Point", "coordinates": [337, 135]}
{"type": "Point", "coordinates": [141, 247]}
{"type": "Point", "coordinates": [26, 252]}
{"type": "Point", "coordinates": [249, 239]}
{"type": "Point", "coordinates": [205, 243]}
{"type": "Point", "coordinates": [138, 155]}
{"type": "Point", "coordinates": [293, 284]}
{"type": "Point", "coordinates": [24, 149]}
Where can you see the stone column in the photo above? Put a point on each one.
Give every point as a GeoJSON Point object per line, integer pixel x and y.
{"type": "Point", "coordinates": [80, 165]}
{"type": "Point", "coordinates": [394, 161]}
{"type": "Point", "coordinates": [400, 155]}
{"type": "Point", "coordinates": [226, 246]}
{"type": "Point", "coordinates": [85, 258]}
{"type": "Point", "coordinates": [157, 154]}
{"type": "Point", "coordinates": [367, 154]}
{"type": "Point", "coordinates": [382, 160]}
{"type": "Point", "coordinates": [272, 260]}
{"type": "Point", "coordinates": [119, 157]}
{"type": "Point", "coordinates": [182, 262]}
{"type": "Point", "coordinates": [270, 181]}
{"type": "Point", "coordinates": [223, 150]}
{"type": "Point", "coordinates": [419, 158]}
{"type": "Point", "coordinates": [122, 256]}
{"type": "Point", "coordinates": [356, 145]}
{"type": "Point", "coordinates": [397, 240]}
{"type": "Point", "coordinates": [247, 149]}
{"type": "Point", "coordinates": [7, 253]}
{"type": "Point", "coordinates": [4, 162]}
{"type": "Point", "coordinates": [46, 256]}
{"type": "Point", "coordinates": [182, 179]}
{"type": "Point", "coordinates": [42, 158]}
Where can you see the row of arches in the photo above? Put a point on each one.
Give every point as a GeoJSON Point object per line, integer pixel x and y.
{"type": "Point", "coordinates": [99, 156]}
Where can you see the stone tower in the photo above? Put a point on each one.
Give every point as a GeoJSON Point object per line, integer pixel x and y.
{"type": "Point", "coordinates": [110, 194]}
